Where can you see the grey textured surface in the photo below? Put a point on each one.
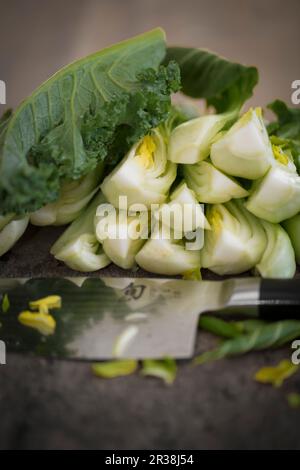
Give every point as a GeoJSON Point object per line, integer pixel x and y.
{"type": "Point", "coordinates": [60, 404]}
{"type": "Point", "coordinates": [46, 405]}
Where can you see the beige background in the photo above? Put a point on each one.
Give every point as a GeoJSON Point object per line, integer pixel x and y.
{"type": "Point", "coordinates": [38, 37]}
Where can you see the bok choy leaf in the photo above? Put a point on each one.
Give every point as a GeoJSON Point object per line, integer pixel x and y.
{"type": "Point", "coordinates": [225, 85]}
{"type": "Point", "coordinates": [55, 134]}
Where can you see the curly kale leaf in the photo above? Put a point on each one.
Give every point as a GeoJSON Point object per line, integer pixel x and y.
{"type": "Point", "coordinates": [109, 133]}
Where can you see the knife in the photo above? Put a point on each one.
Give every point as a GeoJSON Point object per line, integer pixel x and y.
{"type": "Point", "coordinates": [105, 318]}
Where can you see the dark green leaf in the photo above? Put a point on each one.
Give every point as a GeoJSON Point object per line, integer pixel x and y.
{"type": "Point", "coordinates": [224, 84]}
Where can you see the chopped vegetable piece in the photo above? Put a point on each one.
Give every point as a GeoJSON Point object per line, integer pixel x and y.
{"type": "Point", "coordinates": [5, 303]}
{"type": "Point", "coordinates": [165, 369]}
{"type": "Point", "coordinates": [43, 322]}
{"type": "Point", "coordinates": [294, 400]}
{"type": "Point", "coordinates": [110, 370]}
{"type": "Point", "coordinates": [276, 375]}
{"type": "Point", "coordinates": [46, 304]}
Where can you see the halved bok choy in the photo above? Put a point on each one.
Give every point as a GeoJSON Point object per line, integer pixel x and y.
{"type": "Point", "coordinates": [144, 175]}
{"type": "Point", "coordinates": [11, 229]}
{"type": "Point", "coordinates": [236, 240]}
{"type": "Point", "coordinates": [74, 197]}
{"type": "Point", "coordinates": [78, 246]}
{"type": "Point", "coordinates": [165, 254]}
{"type": "Point", "coordinates": [122, 235]}
{"type": "Point", "coordinates": [292, 226]}
{"type": "Point", "coordinates": [190, 142]}
{"type": "Point", "coordinates": [182, 213]}
{"type": "Point", "coordinates": [276, 197]}
{"type": "Point", "coordinates": [211, 185]}
{"type": "Point", "coordinates": [278, 259]}
{"type": "Point", "coordinates": [245, 150]}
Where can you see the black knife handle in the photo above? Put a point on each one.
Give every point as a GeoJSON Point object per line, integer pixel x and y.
{"type": "Point", "coordinates": [279, 299]}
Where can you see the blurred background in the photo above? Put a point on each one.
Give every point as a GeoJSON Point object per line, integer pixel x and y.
{"type": "Point", "coordinates": [38, 37]}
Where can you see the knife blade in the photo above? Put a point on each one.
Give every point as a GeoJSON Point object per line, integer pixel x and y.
{"type": "Point", "coordinates": [105, 318]}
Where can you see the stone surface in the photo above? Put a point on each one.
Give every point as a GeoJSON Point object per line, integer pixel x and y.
{"type": "Point", "coordinates": [60, 404]}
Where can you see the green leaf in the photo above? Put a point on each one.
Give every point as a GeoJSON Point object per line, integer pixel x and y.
{"type": "Point", "coordinates": [165, 369]}
{"type": "Point", "coordinates": [5, 303]}
{"type": "Point", "coordinates": [263, 337]}
{"type": "Point", "coordinates": [277, 374]}
{"type": "Point", "coordinates": [46, 140]}
{"type": "Point", "coordinates": [110, 370]}
{"type": "Point", "coordinates": [225, 85]}
{"type": "Point", "coordinates": [294, 400]}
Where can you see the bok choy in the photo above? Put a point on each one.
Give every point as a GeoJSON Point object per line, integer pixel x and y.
{"type": "Point", "coordinates": [164, 254]}
{"type": "Point", "coordinates": [190, 142]}
{"type": "Point", "coordinates": [11, 229]}
{"type": "Point", "coordinates": [78, 246]}
{"type": "Point", "coordinates": [144, 176]}
{"type": "Point", "coordinates": [292, 226]}
{"type": "Point", "coordinates": [74, 197]}
{"type": "Point", "coordinates": [211, 185]}
{"type": "Point", "coordinates": [236, 240]}
{"type": "Point", "coordinates": [182, 213]}
{"type": "Point", "coordinates": [245, 150]}
{"type": "Point", "coordinates": [277, 196]}
{"type": "Point", "coordinates": [122, 236]}
{"type": "Point", "coordinates": [278, 259]}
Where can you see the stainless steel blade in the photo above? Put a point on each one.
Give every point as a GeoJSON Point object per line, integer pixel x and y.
{"type": "Point", "coordinates": [103, 318]}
